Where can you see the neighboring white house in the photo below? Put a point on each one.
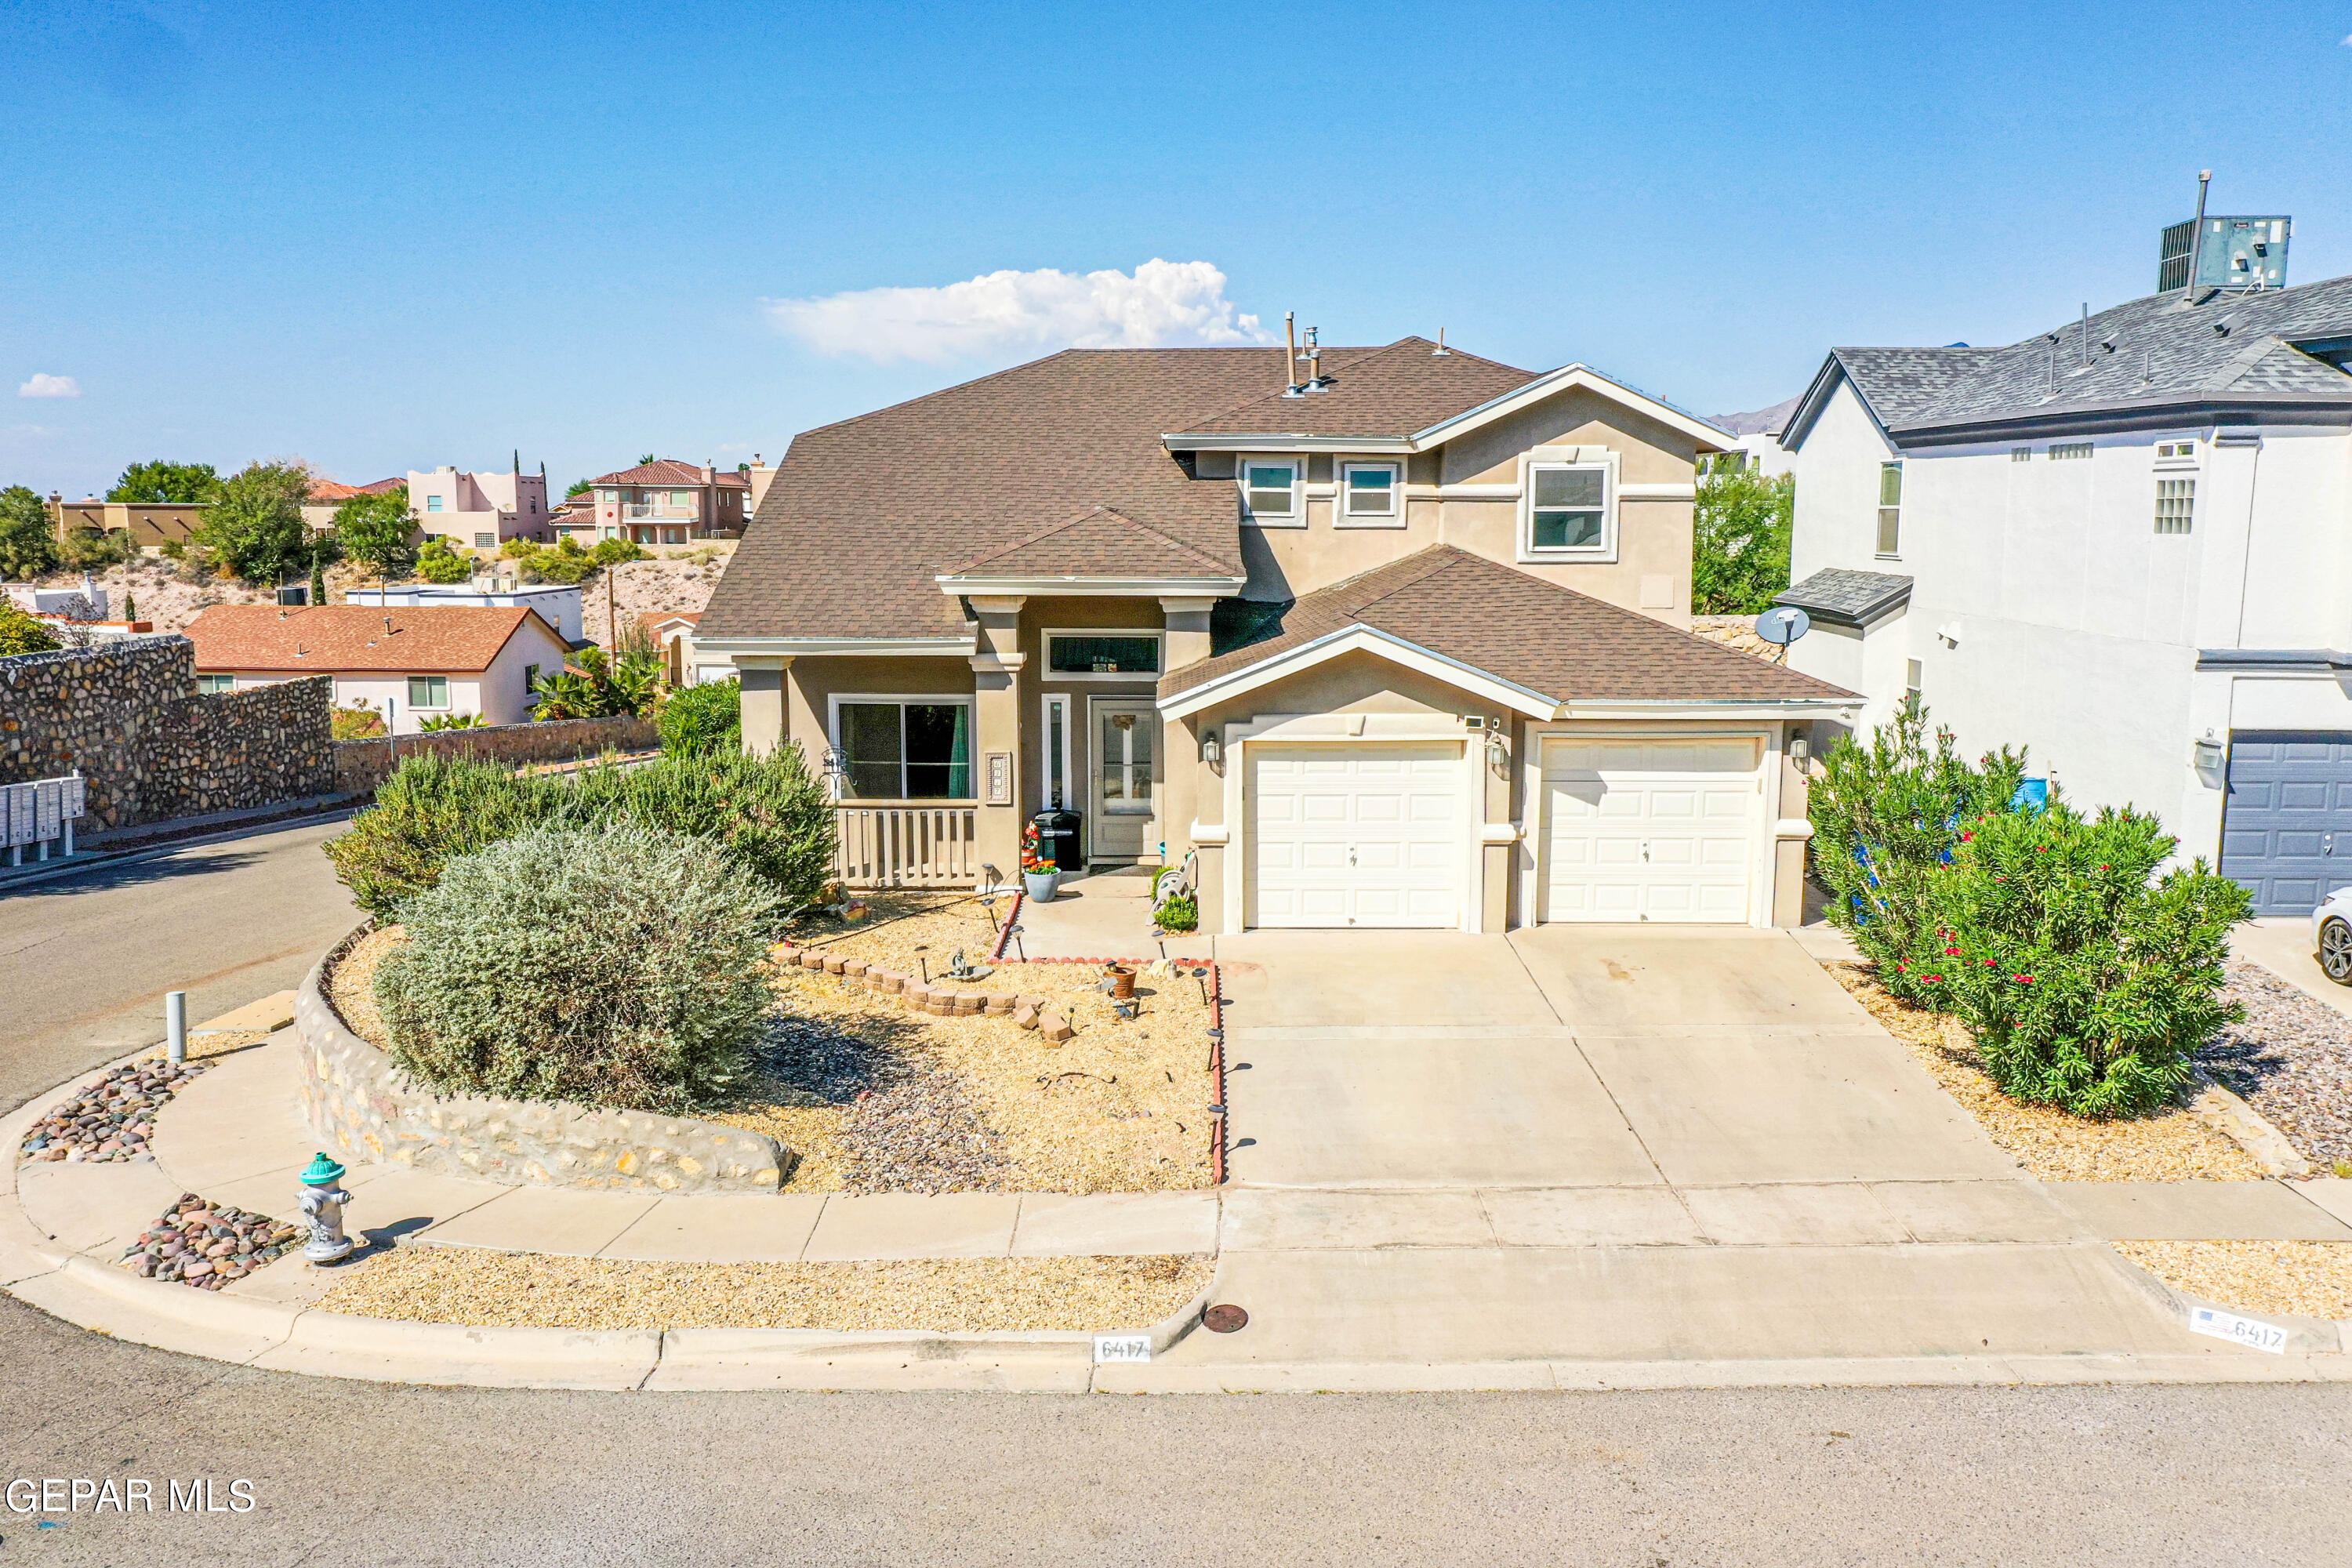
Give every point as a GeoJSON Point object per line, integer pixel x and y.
{"type": "Point", "coordinates": [409, 664]}
{"type": "Point", "coordinates": [480, 511]}
{"type": "Point", "coordinates": [559, 604]}
{"type": "Point", "coordinates": [2126, 545]}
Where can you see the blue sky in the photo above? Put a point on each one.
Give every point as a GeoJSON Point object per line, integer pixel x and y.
{"type": "Point", "coordinates": [387, 236]}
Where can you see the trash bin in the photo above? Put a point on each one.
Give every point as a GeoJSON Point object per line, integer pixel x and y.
{"type": "Point", "coordinates": [1057, 840]}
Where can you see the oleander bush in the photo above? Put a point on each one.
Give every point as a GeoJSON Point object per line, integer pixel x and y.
{"type": "Point", "coordinates": [2088, 981]}
{"type": "Point", "coordinates": [767, 812]}
{"type": "Point", "coordinates": [1886, 818]}
{"type": "Point", "coordinates": [707, 718]}
{"type": "Point", "coordinates": [619, 966]}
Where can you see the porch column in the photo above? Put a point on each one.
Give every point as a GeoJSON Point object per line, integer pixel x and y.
{"type": "Point", "coordinates": [996, 663]}
{"type": "Point", "coordinates": [1180, 748]}
{"type": "Point", "coordinates": [763, 702]}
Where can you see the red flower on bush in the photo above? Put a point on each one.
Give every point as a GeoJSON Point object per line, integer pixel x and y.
{"type": "Point", "coordinates": [1951, 951]}
{"type": "Point", "coordinates": [2024, 979]}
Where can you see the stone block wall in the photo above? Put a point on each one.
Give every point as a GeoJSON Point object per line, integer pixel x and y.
{"type": "Point", "coordinates": [361, 765]}
{"type": "Point", "coordinates": [370, 1112]}
{"type": "Point", "coordinates": [126, 713]}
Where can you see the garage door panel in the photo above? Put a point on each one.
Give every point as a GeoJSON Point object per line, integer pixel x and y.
{"type": "Point", "coordinates": [2286, 824]}
{"type": "Point", "coordinates": [1649, 829]}
{"type": "Point", "coordinates": [1356, 834]}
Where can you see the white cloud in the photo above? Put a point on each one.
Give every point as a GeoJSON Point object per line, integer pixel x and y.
{"type": "Point", "coordinates": [44, 384]}
{"type": "Point", "coordinates": [1160, 304]}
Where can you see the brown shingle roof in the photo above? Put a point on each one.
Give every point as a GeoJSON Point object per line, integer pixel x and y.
{"type": "Point", "coordinates": [1566, 646]}
{"type": "Point", "coordinates": [671, 471]}
{"type": "Point", "coordinates": [453, 639]}
{"type": "Point", "coordinates": [1393, 391]}
{"type": "Point", "coordinates": [863, 515]}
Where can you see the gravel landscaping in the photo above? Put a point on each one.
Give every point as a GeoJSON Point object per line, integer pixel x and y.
{"type": "Point", "coordinates": [207, 1245]}
{"type": "Point", "coordinates": [2174, 1145]}
{"type": "Point", "coordinates": [2290, 1060]}
{"type": "Point", "coordinates": [965, 1295]}
{"type": "Point", "coordinates": [113, 1119]}
{"type": "Point", "coordinates": [2298, 1279]}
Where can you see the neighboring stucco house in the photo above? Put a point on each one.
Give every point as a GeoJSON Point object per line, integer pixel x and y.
{"type": "Point", "coordinates": [669, 502]}
{"type": "Point", "coordinates": [1406, 648]}
{"type": "Point", "coordinates": [412, 664]}
{"type": "Point", "coordinates": [2125, 544]}
{"type": "Point", "coordinates": [480, 510]}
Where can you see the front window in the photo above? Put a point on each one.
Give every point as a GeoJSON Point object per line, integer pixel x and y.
{"type": "Point", "coordinates": [429, 691]}
{"type": "Point", "coordinates": [1370, 490]}
{"type": "Point", "coordinates": [216, 685]}
{"type": "Point", "coordinates": [1569, 508]}
{"type": "Point", "coordinates": [906, 750]}
{"type": "Point", "coordinates": [1890, 507]}
{"type": "Point", "coordinates": [1102, 653]}
{"type": "Point", "coordinates": [1270, 491]}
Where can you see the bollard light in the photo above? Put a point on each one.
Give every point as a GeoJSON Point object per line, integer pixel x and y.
{"type": "Point", "coordinates": [176, 1026]}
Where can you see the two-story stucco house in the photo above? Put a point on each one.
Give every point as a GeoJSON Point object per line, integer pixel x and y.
{"type": "Point", "coordinates": [1402, 645]}
{"type": "Point", "coordinates": [2125, 544]}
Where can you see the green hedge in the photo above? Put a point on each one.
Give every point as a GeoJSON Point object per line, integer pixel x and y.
{"type": "Point", "coordinates": [621, 967]}
{"type": "Point", "coordinates": [707, 718]}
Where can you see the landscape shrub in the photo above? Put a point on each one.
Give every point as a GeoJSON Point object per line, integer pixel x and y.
{"type": "Point", "coordinates": [1182, 911]}
{"type": "Point", "coordinates": [441, 562]}
{"type": "Point", "coordinates": [613, 551]}
{"type": "Point", "coordinates": [454, 721]}
{"type": "Point", "coordinates": [707, 718]}
{"type": "Point", "coordinates": [354, 723]}
{"type": "Point", "coordinates": [2087, 986]}
{"type": "Point", "coordinates": [1885, 819]}
{"type": "Point", "coordinates": [621, 966]}
{"type": "Point", "coordinates": [768, 812]}
{"type": "Point", "coordinates": [595, 685]}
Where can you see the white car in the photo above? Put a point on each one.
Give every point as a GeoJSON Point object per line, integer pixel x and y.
{"type": "Point", "coordinates": [2331, 935]}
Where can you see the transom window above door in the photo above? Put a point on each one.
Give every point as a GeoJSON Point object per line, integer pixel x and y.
{"type": "Point", "coordinates": [1102, 655]}
{"type": "Point", "coordinates": [1270, 493]}
{"type": "Point", "coordinates": [904, 748]}
{"type": "Point", "coordinates": [1567, 510]}
{"type": "Point", "coordinates": [1370, 495]}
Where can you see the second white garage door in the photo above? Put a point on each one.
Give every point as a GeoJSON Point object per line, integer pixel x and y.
{"type": "Point", "coordinates": [1649, 829]}
{"type": "Point", "coordinates": [1356, 834]}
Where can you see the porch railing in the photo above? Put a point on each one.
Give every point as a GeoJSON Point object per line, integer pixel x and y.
{"type": "Point", "coordinates": [906, 845]}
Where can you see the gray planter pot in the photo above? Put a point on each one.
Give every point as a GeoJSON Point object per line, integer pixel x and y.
{"type": "Point", "coordinates": [1040, 886]}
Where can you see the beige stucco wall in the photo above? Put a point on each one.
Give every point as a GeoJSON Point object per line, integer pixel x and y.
{"type": "Point", "coordinates": [811, 681]}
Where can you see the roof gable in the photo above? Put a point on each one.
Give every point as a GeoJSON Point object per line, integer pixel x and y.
{"type": "Point", "coordinates": [455, 640]}
{"type": "Point", "coordinates": [1098, 542]}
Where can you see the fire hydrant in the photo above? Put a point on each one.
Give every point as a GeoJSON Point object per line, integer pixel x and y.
{"type": "Point", "coordinates": [322, 1206]}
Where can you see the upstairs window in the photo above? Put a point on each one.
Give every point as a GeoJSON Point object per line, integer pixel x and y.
{"type": "Point", "coordinates": [1270, 494]}
{"type": "Point", "coordinates": [2062, 451]}
{"type": "Point", "coordinates": [2176, 505]}
{"type": "Point", "coordinates": [1890, 508]}
{"type": "Point", "coordinates": [432, 503]}
{"type": "Point", "coordinates": [1568, 508]}
{"type": "Point", "coordinates": [1369, 493]}
{"type": "Point", "coordinates": [2021, 453]}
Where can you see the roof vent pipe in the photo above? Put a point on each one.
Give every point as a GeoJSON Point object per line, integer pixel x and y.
{"type": "Point", "coordinates": [1441, 351]}
{"type": "Point", "coordinates": [1290, 355]}
{"type": "Point", "coordinates": [1318, 382]}
{"type": "Point", "coordinates": [2196, 241]}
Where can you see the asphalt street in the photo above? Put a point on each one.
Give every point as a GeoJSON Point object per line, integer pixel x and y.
{"type": "Point", "coordinates": [85, 960]}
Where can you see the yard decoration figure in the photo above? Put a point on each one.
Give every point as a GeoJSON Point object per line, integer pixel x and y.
{"type": "Point", "coordinates": [322, 1207]}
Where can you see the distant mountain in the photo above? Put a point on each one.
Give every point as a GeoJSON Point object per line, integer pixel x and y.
{"type": "Point", "coordinates": [1762, 421]}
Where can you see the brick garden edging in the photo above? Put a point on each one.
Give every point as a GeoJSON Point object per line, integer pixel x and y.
{"type": "Point", "coordinates": [373, 1112]}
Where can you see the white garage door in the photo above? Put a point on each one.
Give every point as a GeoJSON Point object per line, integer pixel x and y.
{"type": "Point", "coordinates": [1650, 830]}
{"type": "Point", "coordinates": [1356, 834]}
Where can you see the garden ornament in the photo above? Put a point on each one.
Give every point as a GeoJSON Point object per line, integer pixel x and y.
{"type": "Point", "coordinates": [322, 1207]}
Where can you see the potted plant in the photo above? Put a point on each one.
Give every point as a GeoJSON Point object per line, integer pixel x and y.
{"type": "Point", "coordinates": [1039, 877]}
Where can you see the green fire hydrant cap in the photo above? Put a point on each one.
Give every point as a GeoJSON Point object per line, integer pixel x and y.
{"type": "Point", "coordinates": [320, 1171]}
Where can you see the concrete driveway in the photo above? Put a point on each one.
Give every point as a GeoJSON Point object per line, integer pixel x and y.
{"type": "Point", "coordinates": [1601, 1144]}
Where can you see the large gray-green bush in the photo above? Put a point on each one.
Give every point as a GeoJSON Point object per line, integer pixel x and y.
{"type": "Point", "coordinates": [618, 966]}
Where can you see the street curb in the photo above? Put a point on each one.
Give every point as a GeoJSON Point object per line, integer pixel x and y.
{"type": "Point", "coordinates": [2311, 1336]}
{"type": "Point", "coordinates": [101, 860]}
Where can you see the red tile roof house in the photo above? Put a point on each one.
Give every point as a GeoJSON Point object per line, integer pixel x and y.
{"type": "Point", "coordinates": [665, 503]}
{"type": "Point", "coordinates": [1406, 645]}
{"type": "Point", "coordinates": [412, 663]}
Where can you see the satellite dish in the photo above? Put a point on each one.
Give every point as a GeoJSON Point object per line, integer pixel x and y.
{"type": "Point", "coordinates": [1783, 624]}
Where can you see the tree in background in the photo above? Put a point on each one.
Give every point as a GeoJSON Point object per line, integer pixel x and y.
{"type": "Point", "coordinates": [93, 549]}
{"type": "Point", "coordinates": [256, 528]}
{"type": "Point", "coordinates": [595, 685]}
{"type": "Point", "coordinates": [160, 482]}
{"type": "Point", "coordinates": [1739, 542]}
{"type": "Point", "coordinates": [579, 486]}
{"type": "Point", "coordinates": [20, 633]}
{"type": "Point", "coordinates": [375, 531]}
{"type": "Point", "coordinates": [29, 546]}
{"type": "Point", "coordinates": [645, 460]}
{"type": "Point", "coordinates": [439, 562]}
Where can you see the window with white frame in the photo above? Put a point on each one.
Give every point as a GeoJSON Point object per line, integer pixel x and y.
{"type": "Point", "coordinates": [1270, 488]}
{"type": "Point", "coordinates": [429, 691]}
{"type": "Point", "coordinates": [1102, 653]}
{"type": "Point", "coordinates": [2176, 454]}
{"type": "Point", "coordinates": [2176, 505]}
{"type": "Point", "coordinates": [1890, 508]}
{"type": "Point", "coordinates": [914, 748]}
{"type": "Point", "coordinates": [216, 685]}
{"type": "Point", "coordinates": [432, 503]}
{"type": "Point", "coordinates": [2069, 451]}
{"type": "Point", "coordinates": [1371, 494]}
{"type": "Point", "coordinates": [2021, 453]}
{"type": "Point", "coordinates": [1567, 510]}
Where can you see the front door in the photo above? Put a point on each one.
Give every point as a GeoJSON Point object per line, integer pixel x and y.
{"type": "Point", "coordinates": [1124, 802]}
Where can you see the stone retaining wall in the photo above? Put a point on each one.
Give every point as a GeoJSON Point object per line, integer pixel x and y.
{"type": "Point", "coordinates": [126, 713]}
{"type": "Point", "coordinates": [361, 765]}
{"type": "Point", "coordinates": [371, 1112]}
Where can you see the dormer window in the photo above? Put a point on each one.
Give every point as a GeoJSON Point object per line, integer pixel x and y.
{"type": "Point", "coordinates": [1369, 495]}
{"type": "Point", "coordinates": [1270, 494]}
{"type": "Point", "coordinates": [1570, 508]}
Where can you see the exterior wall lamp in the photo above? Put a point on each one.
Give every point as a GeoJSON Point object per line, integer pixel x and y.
{"type": "Point", "coordinates": [1496, 756]}
{"type": "Point", "coordinates": [1211, 753]}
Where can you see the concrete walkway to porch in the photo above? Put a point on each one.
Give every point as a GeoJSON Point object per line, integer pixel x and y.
{"type": "Point", "coordinates": [1105, 914]}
